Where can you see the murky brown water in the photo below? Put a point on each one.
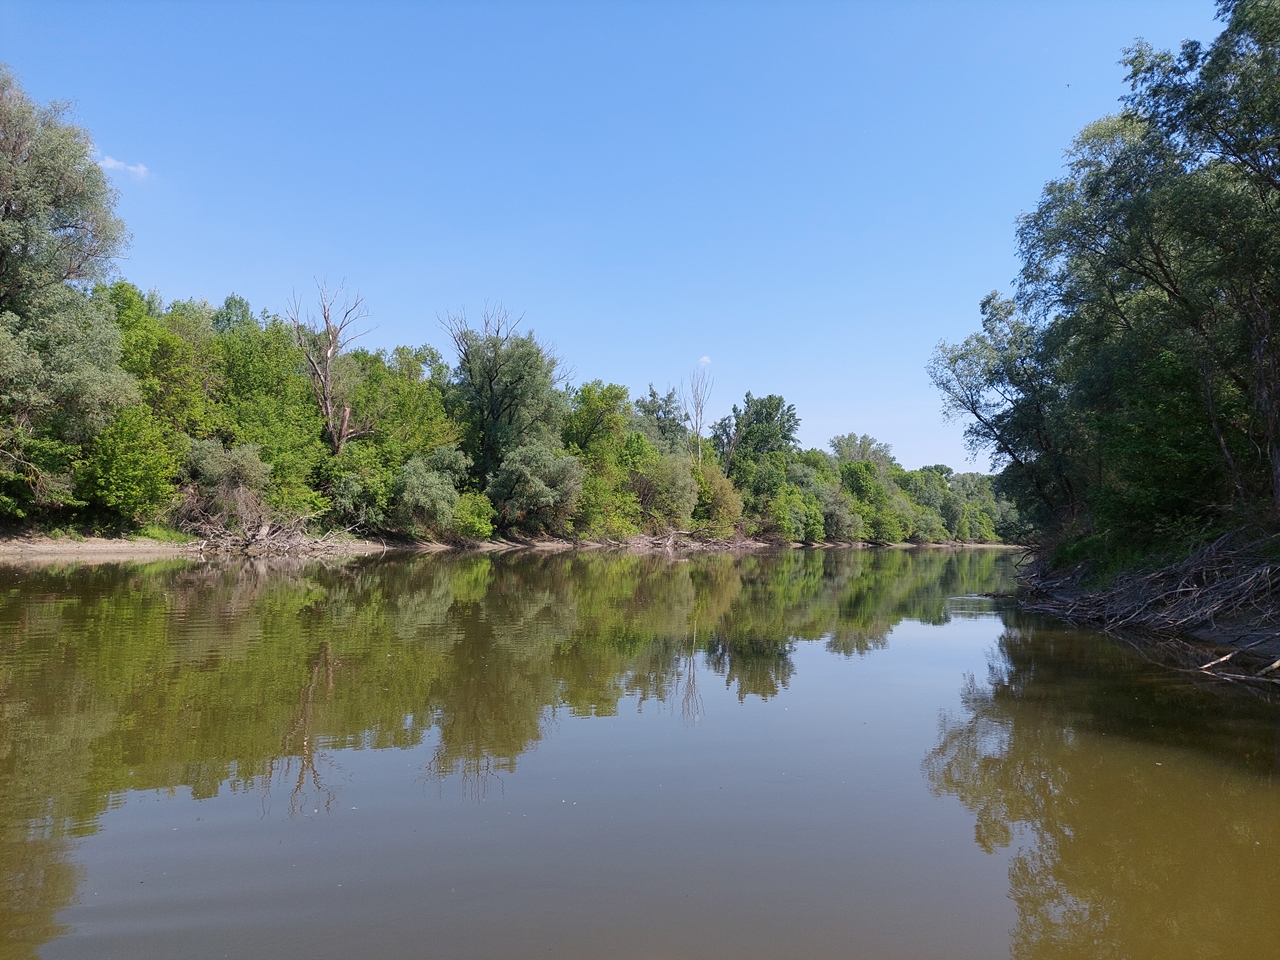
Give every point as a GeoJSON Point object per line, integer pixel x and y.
{"type": "Point", "coordinates": [808, 754]}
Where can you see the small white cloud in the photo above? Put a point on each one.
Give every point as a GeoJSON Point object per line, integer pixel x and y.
{"type": "Point", "coordinates": [704, 360]}
{"type": "Point", "coordinates": [139, 170]}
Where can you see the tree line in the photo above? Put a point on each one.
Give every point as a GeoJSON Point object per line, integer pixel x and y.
{"type": "Point", "coordinates": [119, 410]}
{"type": "Point", "coordinates": [1129, 389]}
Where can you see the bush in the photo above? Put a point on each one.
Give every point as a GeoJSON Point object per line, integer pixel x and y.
{"type": "Point", "coordinates": [839, 521]}
{"type": "Point", "coordinates": [473, 517]}
{"type": "Point", "coordinates": [536, 488]}
{"type": "Point", "coordinates": [225, 491]}
{"type": "Point", "coordinates": [975, 524]}
{"type": "Point", "coordinates": [425, 499]}
{"type": "Point", "coordinates": [212, 465]}
{"type": "Point", "coordinates": [719, 508]}
{"type": "Point", "coordinates": [929, 527]}
{"type": "Point", "coordinates": [452, 462]}
{"type": "Point", "coordinates": [132, 466]}
{"type": "Point", "coordinates": [667, 491]}
{"type": "Point", "coordinates": [796, 516]}
{"type": "Point", "coordinates": [887, 527]}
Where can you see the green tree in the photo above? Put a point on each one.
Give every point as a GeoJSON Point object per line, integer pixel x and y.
{"type": "Point", "coordinates": [536, 489]}
{"type": "Point", "coordinates": [761, 426]}
{"type": "Point", "coordinates": [57, 222]}
{"type": "Point", "coordinates": [662, 419]}
{"type": "Point", "coordinates": [174, 372]}
{"type": "Point", "coordinates": [268, 402]}
{"type": "Point", "coordinates": [1130, 391]}
{"type": "Point", "coordinates": [504, 391]}
{"type": "Point", "coordinates": [132, 465]}
{"type": "Point", "coordinates": [60, 381]}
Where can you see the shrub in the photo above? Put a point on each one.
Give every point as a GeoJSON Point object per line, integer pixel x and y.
{"type": "Point", "coordinates": [132, 467]}
{"type": "Point", "coordinates": [226, 490]}
{"type": "Point", "coordinates": [473, 517]}
{"type": "Point", "coordinates": [212, 465]}
{"type": "Point", "coordinates": [719, 508]}
{"type": "Point", "coordinates": [536, 488]}
{"type": "Point", "coordinates": [929, 527]}
{"type": "Point", "coordinates": [839, 521]}
{"type": "Point", "coordinates": [425, 499]}
{"type": "Point", "coordinates": [667, 491]}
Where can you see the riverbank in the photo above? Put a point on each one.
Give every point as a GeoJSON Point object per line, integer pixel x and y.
{"type": "Point", "coordinates": [1216, 612]}
{"type": "Point", "coordinates": [40, 549]}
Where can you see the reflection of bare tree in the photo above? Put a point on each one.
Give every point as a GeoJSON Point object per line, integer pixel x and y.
{"type": "Point", "coordinates": [691, 700]}
{"type": "Point", "coordinates": [476, 772]}
{"type": "Point", "coordinates": [299, 760]}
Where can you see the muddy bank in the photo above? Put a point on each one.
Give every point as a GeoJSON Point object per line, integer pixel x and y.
{"type": "Point", "coordinates": [40, 549]}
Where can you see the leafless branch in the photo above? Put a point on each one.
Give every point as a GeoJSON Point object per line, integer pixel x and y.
{"type": "Point", "coordinates": [323, 342]}
{"type": "Point", "coordinates": [693, 398]}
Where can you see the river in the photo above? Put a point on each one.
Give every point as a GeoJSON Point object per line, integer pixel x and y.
{"type": "Point", "coordinates": [826, 753]}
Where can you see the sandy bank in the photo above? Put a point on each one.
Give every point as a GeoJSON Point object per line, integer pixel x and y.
{"type": "Point", "coordinates": [41, 549]}
{"type": "Point", "coordinates": [38, 549]}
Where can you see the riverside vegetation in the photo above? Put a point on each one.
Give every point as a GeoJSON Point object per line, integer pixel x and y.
{"type": "Point", "coordinates": [121, 412]}
{"type": "Point", "coordinates": [1129, 390]}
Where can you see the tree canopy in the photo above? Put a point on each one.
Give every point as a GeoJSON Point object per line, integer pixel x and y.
{"type": "Point", "coordinates": [121, 410]}
{"type": "Point", "coordinates": [1129, 390]}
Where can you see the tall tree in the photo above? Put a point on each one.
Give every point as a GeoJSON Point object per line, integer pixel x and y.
{"type": "Point", "coordinates": [1131, 389]}
{"type": "Point", "coordinates": [60, 379]}
{"type": "Point", "coordinates": [505, 389]}
{"type": "Point", "coordinates": [57, 209]}
{"type": "Point", "coordinates": [694, 397]}
{"type": "Point", "coordinates": [762, 425]}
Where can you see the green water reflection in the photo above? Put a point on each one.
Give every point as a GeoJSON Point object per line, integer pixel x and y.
{"type": "Point", "coordinates": [1139, 808]}
{"type": "Point", "coordinates": [247, 676]}
{"type": "Point", "coordinates": [1142, 809]}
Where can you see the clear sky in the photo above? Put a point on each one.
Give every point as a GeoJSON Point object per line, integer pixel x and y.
{"type": "Point", "coordinates": [808, 195]}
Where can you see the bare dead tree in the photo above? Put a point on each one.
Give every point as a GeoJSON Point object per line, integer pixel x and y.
{"type": "Point", "coordinates": [322, 342]}
{"type": "Point", "coordinates": [694, 397]}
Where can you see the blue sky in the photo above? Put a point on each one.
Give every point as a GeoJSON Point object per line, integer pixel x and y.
{"type": "Point", "coordinates": [810, 195]}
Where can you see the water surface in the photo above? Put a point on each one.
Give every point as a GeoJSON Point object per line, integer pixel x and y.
{"type": "Point", "coordinates": [803, 754]}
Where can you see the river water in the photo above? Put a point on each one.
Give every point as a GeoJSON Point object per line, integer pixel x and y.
{"type": "Point", "coordinates": [842, 753]}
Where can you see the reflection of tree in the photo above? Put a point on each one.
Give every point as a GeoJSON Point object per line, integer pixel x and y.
{"type": "Point", "coordinates": [691, 699]}
{"type": "Point", "coordinates": [299, 752]}
{"type": "Point", "coordinates": [44, 757]}
{"type": "Point", "coordinates": [244, 676]}
{"type": "Point", "coordinates": [1116, 856]}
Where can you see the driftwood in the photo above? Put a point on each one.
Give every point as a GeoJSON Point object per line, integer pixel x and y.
{"type": "Point", "coordinates": [1224, 581]}
{"type": "Point", "coordinates": [1226, 593]}
{"type": "Point", "coordinates": [234, 519]}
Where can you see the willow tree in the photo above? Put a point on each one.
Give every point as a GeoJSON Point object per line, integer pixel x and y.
{"type": "Point", "coordinates": [60, 379]}
{"type": "Point", "coordinates": [1130, 390]}
{"type": "Point", "coordinates": [505, 389]}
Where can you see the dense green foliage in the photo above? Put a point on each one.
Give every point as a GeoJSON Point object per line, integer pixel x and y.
{"type": "Point", "coordinates": [118, 410]}
{"type": "Point", "coordinates": [1129, 391]}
